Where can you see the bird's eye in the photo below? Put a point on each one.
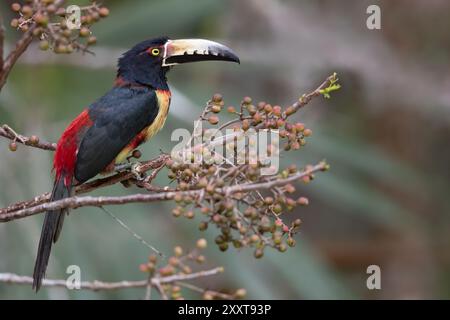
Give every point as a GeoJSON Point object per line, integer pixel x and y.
{"type": "Point", "coordinates": [155, 52]}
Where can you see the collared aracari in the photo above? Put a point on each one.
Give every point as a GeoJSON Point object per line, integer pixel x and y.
{"type": "Point", "coordinates": [129, 114]}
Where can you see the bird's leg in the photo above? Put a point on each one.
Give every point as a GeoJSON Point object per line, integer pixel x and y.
{"type": "Point", "coordinates": [123, 166]}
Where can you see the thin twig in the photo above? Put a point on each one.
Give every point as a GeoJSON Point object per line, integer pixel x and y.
{"type": "Point", "coordinates": [7, 132]}
{"type": "Point", "coordinates": [134, 234]}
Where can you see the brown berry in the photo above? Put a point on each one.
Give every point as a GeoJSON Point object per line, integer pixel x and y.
{"type": "Point", "coordinates": [247, 100]}
{"type": "Point", "coordinates": [34, 140]}
{"type": "Point", "coordinates": [217, 98]}
{"type": "Point", "coordinates": [240, 293]}
{"type": "Point", "coordinates": [201, 243]}
{"type": "Point", "coordinates": [91, 40]}
{"type": "Point", "coordinates": [15, 7]}
{"type": "Point", "coordinates": [307, 132]}
{"type": "Point", "coordinates": [213, 120]}
{"type": "Point", "coordinates": [41, 19]}
{"type": "Point", "coordinates": [12, 146]}
{"type": "Point", "coordinates": [258, 253]}
{"type": "Point", "coordinates": [178, 251]}
{"type": "Point", "coordinates": [303, 201]}
{"type": "Point", "coordinates": [44, 45]}
{"type": "Point", "coordinates": [136, 154]}
{"type": "Point", "coordinates": [231, 109]}
{"type": "Point", "coordinates": [277, 110]}
{"type": "Point", "coordinates": [103, 12]}
{"type": "Point", "coordinates": [290, 110]}
{"type": "Point", "coordinates": [268, 108]}
{"type": "Point", "coordinates": [216, 108]}
{"type": "Point", "coordinates": [14, 23]}
{"type": "Point", "coordinates": [27, 11]}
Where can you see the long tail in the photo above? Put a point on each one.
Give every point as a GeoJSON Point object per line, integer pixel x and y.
{"type": "Point", "coordinates": [50, 231]}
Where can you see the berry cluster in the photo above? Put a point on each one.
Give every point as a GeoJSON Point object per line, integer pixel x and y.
{"type": "Point", "coordinates": [248, 218]}
{"type": "Point", "coordinates": [47, 21]}
{"type": "Point", "coordinates": [180, 265]}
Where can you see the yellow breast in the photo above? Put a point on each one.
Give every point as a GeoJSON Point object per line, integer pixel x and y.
{"type": "Point", "coordinates": [163, 97]}
{"type": "Point", "coordinates": [163, 102]}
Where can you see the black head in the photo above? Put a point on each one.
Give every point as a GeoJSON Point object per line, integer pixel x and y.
{"type": "Point", "coordinates": [148, 62]}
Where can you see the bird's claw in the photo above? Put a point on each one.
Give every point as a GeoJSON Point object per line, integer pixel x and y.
{"type": "Point", "coordinates": [140, 176]}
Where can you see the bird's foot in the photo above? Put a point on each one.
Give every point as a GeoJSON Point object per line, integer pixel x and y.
{"type": "Point", "coordinates": [140, 176]}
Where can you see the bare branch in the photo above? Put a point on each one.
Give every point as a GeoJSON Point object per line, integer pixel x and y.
{"type": "Point", "coordinates": [100, 285]}
{"type": "Point", "coordinates": [19, 48]}
{"type": "Point", "coordinates": [7, 132]}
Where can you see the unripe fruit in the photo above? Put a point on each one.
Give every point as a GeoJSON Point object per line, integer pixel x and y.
{"type": "Point", "coordinates": [34, 140]}
{"type": "Point", "coordinates": [91, 40]}
{"type": "Point", "coordinates": [61, 12]}
{"type": "Point", "coordinates": [178, 251]}
{"type": "Point", "coordinates": [223, 246]}
{"type": "Point", "coordinates": [84, 32]}
{"type": "Point", "coordinates": [290, 110]}
{"type": "Point", "coordinates": [291, 242]}
{"type": "Point", "coordinates": [15, 7]}
{"type": "Point", "coordinates": [303, 201]}
{"type": "Point", "coordinates": [27, 11]}
{"type": "Point", "coordinates": [213, 120]}
{"type": "Point", "coordinates": [268, 200]}
{"type": "Point", "coordinates": [203, 226]}
{"type": "Point", "coordinates": [44, 45]}
{"type": "Point", "coordinates": [136, 154]}
{"type": "Point", "coordinates": [299, 127]}
{"type": "Point", "coordinates": [41, 19]}
{"type": "Point", "coordinates": [240, 293]}
{"type": "Point", "coordinates": [12, 146]}
{"type": "Point", "coordinates": [259, 253]}
{"type": "Point", "coordinates": [201, 243]}
{"type": "Point", "coordinates": [103, 12]}
{"type": "Point", "coordinates": [14, 23]}
{"type": "Point", "coordinates": [247, 100]}
{"type": "Point", "coordinates": [245, 125]}
{"type": "Point", "coordinates": [277, 110]}
{"type": "Point", "coordinates": [217, 98]}
{"type": "Point", "coordinates": [231, 109]}
{"type": "Point", "coordinates": [307, 132]}
{"type": "Point", "coordinates": [216, 108]}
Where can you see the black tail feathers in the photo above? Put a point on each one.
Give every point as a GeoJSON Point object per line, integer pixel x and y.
{"type": "Point", "coordinates": [50, 231]}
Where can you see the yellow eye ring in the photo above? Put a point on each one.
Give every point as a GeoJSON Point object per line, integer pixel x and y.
{"type": "Point", "coordinates": [155, 52]}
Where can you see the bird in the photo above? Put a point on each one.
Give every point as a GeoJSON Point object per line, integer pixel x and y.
{"type": "Point", "coordinates": [129, 114]}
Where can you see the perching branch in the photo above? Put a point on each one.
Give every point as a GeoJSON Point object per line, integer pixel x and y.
{"type": "Point", "coordinates": [76, 202]}
{"type": "Point", "coordinates": [92, 185]}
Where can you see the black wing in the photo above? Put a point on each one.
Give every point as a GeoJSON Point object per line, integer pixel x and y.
{"type": "Point", "coordinates": [117, 118]}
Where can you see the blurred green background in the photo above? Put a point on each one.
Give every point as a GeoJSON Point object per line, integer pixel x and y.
{"type": "Point", "coordinates": [385, 133]}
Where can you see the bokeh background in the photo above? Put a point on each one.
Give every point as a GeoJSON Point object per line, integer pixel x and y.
{"type": "Point", "coordinates": [385, 133]}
